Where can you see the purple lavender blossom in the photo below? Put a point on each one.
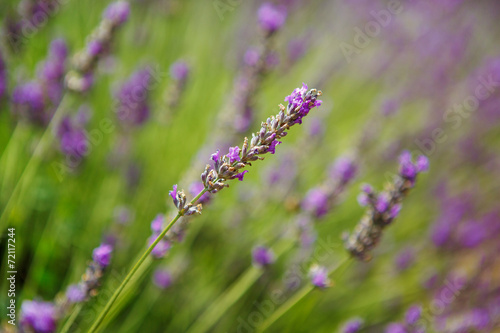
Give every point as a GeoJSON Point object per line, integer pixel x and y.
{"type": "Point", "coordinates": [102, 255]}
{"type": "Point", "coordinates": [76, 293]}
{"type": "Point", "coordinates": [157, 224]}
{"type": "Point", "coordinates": [409, 170]}
{"type": "Point", "coordinates": [262, 256]}
{"type": "Point", "coordinates": [472, 233]}
{"type": "Point", "coordinates": [413, 314]}
{"type": "Point", "coordinates": [162, 278]}
{"type": "Point", "coordinates": [352, 326]}
{"type": "Point", "coordinates": [319, 276]}
{"type": "Point", "coordinates": [133, 107]}
{"type": "Point", "coordinates": [271, 17]}
{"type": "Point", "coordinates": [94, 47]}
{"type": "Point", "coordinates": [405, 259]}
{"type": "Point", "coordinates": [395, 328]}
{"type": "Point", "coordinates": [54, 66]}
{"type": "Point", "coordinates": [344, 169]}
{"type": "Point", "coordinates": [316, 202]}
{"type": "Point", "coordinates": [382, 203]}
{"type": "Point", "coordinates": [28, 100]}
{"type": "Point", "coordinates": [234, 154]}
{"type": "Point", "coordinates": [251, 57]}
{"type": "Point", "coordinates": [179, 70]}
{"type": "Point", "coordinates": [40, 317]}
{"type": "Point", "coordinates": [117, 12]}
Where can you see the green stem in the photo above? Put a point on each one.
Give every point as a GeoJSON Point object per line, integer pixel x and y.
{"type": "Point", "coordinates": [291, 302]}
{"type": "Point", "coordinates": [72, 318]}
{"type": "Point", "coordinates": [134, 269]}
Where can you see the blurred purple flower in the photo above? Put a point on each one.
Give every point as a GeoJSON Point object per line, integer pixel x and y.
{"type": "Point", "coordinates": [316, 202]}
{"type": "Point", "coordinates": [102, 255]}
{"type": "Point", "coordinates": [352, 326]}
{"type": "Point", "coordinates": [195, 188]}
{"type": "Point", "coordinates": [262, 256]}
{"type": "Point", "coordinates": [117, 12]}
{"type": "Point", "coordinates": [395, 328]}
{"type": "Point", "coordinates": [179, 70]}
{"type": "Point", "coordinates": [472, 233]}
{"type": "Point", "coordinates": [251, 57]}
{"type": "Point", "coordinates": [271, 17]}
{"type": "Point", "coordinates": [319, 276]}
{"type": "Point", "coordinates": [405, 259]}
{"type": "Point", "coordinates": [413, 314]}
{"type": "Point", "coordinates": [133, 107]}
{"type": "Point", "coordinates": [40, 317]}
{"type": "Point", "coordinates": [162, 278]}
{"type": "Point", "coordinates": [76, 293]}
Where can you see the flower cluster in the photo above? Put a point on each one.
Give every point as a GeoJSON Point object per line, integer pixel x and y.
{"type": "Point", "coordinates": [319, 276]}
{"type": "Point", "coordinates": [383, 207]}
{"type": "Point", "coordinates": [413, 315]}
{"type": "Point", "coordinates": [133, 109]}
{"type": "Point", "coordinates": [84, 62]}
{"type": "Point", "coordinates": [163, 245]}
{"type": "Point", "coordinates": [229, 166]}
{"type": "Point", "coordinates": [72, 137]}
{"type": "Point", "coordinates": [262, 256]}
{"type": "Point", "coordinates": [180, 201]}
{"type": "Point", "coordinates": [37, 100]}
{"type": "Point", "coordinates": [179, 71]}
{"type": "Point", "coordinates": [271, 17]}
{"type": "Point", "coordinates": [39, 317]}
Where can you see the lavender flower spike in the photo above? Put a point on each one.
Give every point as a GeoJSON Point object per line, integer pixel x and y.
{"type": "Point", "coordinates": [39, 317]}
{"type": "Point", "coordinates": [383, 207]}
{"type": "Point", "coordinates": [229, 166]}
{"type": "Point", "coordinates": [319, 277]}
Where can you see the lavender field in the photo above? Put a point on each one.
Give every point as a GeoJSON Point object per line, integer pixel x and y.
{"type": "Point", "coordinates": [238, 166]}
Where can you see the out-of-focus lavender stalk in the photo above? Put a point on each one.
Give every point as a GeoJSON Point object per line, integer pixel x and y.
{"type": "Point", "coordinates": [383, 207]}
{"type": "Point", "coordinates": [179, 71]}
{"type": "Point", "coordinates": [42, 317]}
{"type": "Point", "coordinates": [38, 99]}
{"type": "Point", "coordinates": [80, 79]}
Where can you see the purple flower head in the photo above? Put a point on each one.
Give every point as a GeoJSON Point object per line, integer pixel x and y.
{"type": "Point", "coordinates": [74, 143]}
{"type": "Point", "coordinates": [316, 202]}
{"type": "Point", "coordinates": [472, 233]}
{"type": "Point", "coordinates": [162, 278]}
{"type": "Point", "coordinates": [117, 12]}
{"type": "Point", "coordinates": [94, 47]}
{"type": "Point", "coordinates": [133, 108]}
{"type": "Point", "coordinates": [299, 99]}
{"type": "Point", "coordinates": [76, 293]}
{"type": "Point", "coordinates": [215, 156]}
{"type": "Point", "coordinates": [319, 276]}
{"type": "Point", "coordinates": [173, 193]}
{"type": "Point", "coordinates": [413, 314]}
{"type": "Point", "coordinates": [271, 17]}
{"type": "Point", "coordinates": [262, 256]}
{"type": "Point", "coordinates": [195, 188]}
{"type": "Point", "coordinates": [58, 49]}
{"type": "Point", "coordinates": [422, 164]}
{"type": "Point", "coordinates": [316, 127]}
{"type": "Point", "coordinates": [395, 328]}
{"type": "Point", "coordinates": [479, 319]}
{"type": "Point", "coordinates": [405, 259]}
{"type": "Point", "coordinates": [240, 175]}
{"type": "Point", "coordinates": [30, 96]}
{"type": "Point", "coordinates": [441, 234]}
{"type": "Point", "coordinates": [352, 326]}
{"type": "Point", "coordinates": [343, 169]}
{"type": "Point", "coordinates": [394, 210]}
{"type": "Point", "coordinates": [382, 203]}
{"type": "Point", "coordinates": [363, 199]}
{"type": "Point", "coordinates": [179, 70]}
{"type": "Point", "coordinates": [234, 154]}
{"type": "Point", "coordinates": [272, 146]}
{"type": "Point", "coordinates": [157, 224]}
{"type": "Point", "coordinates": [102, 255]}
{"type": "Point", "coordinates": [40, 317]}
{"type": "Point", "coordinates": [251, 57]}
{"type": "Point", "coordinates": [161, 247]}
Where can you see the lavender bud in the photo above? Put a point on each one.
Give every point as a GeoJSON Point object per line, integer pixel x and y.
{"type": "Point", "coordinates": [262, 256]}
{"type": "Point", "coordinates": [102, 255]}
{"type": "Point", "coordinates": [40, 317]}
{"type": "Point", "coordinates": [179, 70]}
{"type": "Point", "coordinates": [319, 276]}
{"type": "Point", "coordinates": [352, 326]}
{"type": "Point", "coordinates": [76, 293]}
{"type": "Point", "coordinates": [316, 202]}
{"type": "Point", "coordinates": [162, 278]}
{"type": "Point", "coordinates": [413, 314]}
{"type": "Point", "coordinates": [117, 12]}
{"type": "Point", "coordinates": [271, 17]}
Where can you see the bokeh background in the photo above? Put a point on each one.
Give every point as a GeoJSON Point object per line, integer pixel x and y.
{"type": "Point", "coordinates": [395, 75]}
